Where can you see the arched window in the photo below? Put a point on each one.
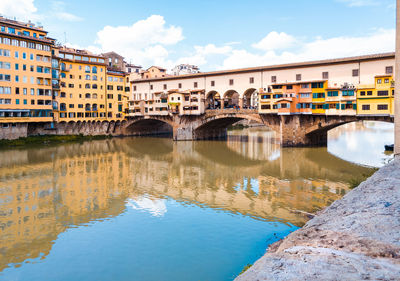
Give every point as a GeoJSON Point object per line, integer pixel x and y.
{"type": "Point", "coordinates": [63, 66]}
{"type": "Point", "coordinates": [87, 86]}
{"type": "Point", "coordinates": [94, 69]}
{"type": "Point", "coordinates": [94, 86]}
{"type": "Point", "coordinates": [87, 69]}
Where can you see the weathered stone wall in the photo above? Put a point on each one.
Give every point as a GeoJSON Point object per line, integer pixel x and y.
{"type": "Point", "coordinates": [13, 131]}
{"type": "Point", "coordinates": [356, 238]}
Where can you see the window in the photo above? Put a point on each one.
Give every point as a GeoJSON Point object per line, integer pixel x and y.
{"type": "Point", "coordinates": [151, 87]}
{"type": "Point", "coordinates": [16, 54]}
{"type": "Point", "coordinates": [273, 79]}
{"type": "Point", "coordinates": [134, 88]}
{"type": "Point", "coordinates": [383, 93]}
{"type": "Point", "coordinates": [389, 69]}
{"type": "Point", "coordinates": [230, 82]}
{"type": "Point", "coordinates": [165, 86]}
{"type": "Point", "coordinates": [317, 85]}
{"type": "Point", "coordinates": [87, 69]}
{"type": "Point", "coordinates": [379, 81]}
{"type": "Point", "coordinates": [180, 86]}
{"type": "Point", "coordinates": [365, 107]}
{"type": "Point", "coordinates": [382, 106]}
{"type": "Point", "coordinates": [251, 80]}
{"type": "Point", "coordinates": [325, 75]}
{"type": "Point", "coordinates": [212, 83]}
{"type": "Point", "coordinates": [362, 93]}
{"type": "Point", "coordinates": [298, 77]}
{"type": "Point", "coordinates": [386, 81]}
{"type": "Point", "coordinates": [355, 72]}
{"type": "Point", "coordinates": [289, 87]}
{"type": "Point", "coordinates": [369, 93]}
{"type": "Point", "coordinates": [195, 84]}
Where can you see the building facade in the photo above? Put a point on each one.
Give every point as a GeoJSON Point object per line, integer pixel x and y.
{"type": "Point", "coordinates": [25, 74]}
{"type": "Point", "coordinates": [328, 87]}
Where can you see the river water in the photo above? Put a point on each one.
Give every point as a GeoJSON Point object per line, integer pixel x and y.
{"type": "Point", "coordinates": [154, 209]}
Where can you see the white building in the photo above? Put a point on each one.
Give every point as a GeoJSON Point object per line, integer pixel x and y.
{"type": "Point", "coordinates": [185, 69]}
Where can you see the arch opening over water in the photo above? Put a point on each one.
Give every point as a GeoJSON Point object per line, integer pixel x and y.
{"type": "Point", "coordinates": [148, 127]}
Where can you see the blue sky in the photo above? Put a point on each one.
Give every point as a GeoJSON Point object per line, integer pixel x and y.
{"type": "Point", "coordinates": [216, 34]}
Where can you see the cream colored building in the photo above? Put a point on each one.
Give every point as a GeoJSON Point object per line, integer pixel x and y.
{"type": "Point", "coordinates": [243, 83]}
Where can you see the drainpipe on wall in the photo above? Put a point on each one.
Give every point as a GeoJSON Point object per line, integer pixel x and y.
{"type": "Point", "coordinates": [397, 86]}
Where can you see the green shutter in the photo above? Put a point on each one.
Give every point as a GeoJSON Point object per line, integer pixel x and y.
{"type": "Point", "coordinates": [314, 106]}
{"type": "Point", "coordinates": [343, 106]}
{"type": "Point", "coordinates": [354, 106]}
{"type": "Point", "coordinates": [338, 106]}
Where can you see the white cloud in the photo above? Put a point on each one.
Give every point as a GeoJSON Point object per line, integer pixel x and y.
{"type": "Point", "coordinates": [274, 41]}
{"type": "Point", "coordinates": [360, 3]}
{"type": "Point", "coordinates": [58, 10]}
{"type": "Point", "coordinates": [21, 9]}
{"type": "Point", "coordinates": [379, 41]}
{"type": "Point", "coordinates": [211, 49]}
{"type": "Point", "coordinates": [144, 42]}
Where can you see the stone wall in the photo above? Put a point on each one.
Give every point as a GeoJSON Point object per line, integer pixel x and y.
{"type": "Point", "coordinates": [13, 131]}
{"type": "Point", "coordinates": [356, 238]}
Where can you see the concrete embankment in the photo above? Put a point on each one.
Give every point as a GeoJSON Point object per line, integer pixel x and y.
{"type": "Point", "coordinates": [356, 238]}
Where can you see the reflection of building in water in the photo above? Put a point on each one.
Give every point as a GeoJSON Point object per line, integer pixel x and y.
{"type": "Point", "coordinates": [44, 191]}
{"type": "Point", "coordinates": [40, 200]}
{"type": "Point", "coordinates": [257, 144]}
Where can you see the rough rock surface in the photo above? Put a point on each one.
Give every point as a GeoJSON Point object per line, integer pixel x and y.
{"type": "Point", "coordinates": [356, 238]}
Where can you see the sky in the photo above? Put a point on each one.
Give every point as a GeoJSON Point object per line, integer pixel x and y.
{"type": "Point", "coordinates": [215, 34]}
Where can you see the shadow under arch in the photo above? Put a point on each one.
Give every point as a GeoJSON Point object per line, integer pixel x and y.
{"type": "Point", "coordinates": [215, 127]}
{"type": "Point", "coordinates": [149, 127]}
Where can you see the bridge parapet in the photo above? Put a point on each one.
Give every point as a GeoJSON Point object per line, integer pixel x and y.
{"type": "Point", "coordinates": [217, 112]}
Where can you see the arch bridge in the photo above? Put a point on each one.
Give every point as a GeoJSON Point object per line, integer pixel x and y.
{"type": "Point", "coordinates": [293, 130]}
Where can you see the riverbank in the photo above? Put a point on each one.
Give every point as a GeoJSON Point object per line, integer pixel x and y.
{"type": "Point", "coordinates": [48, 139]}
{"type": "Point", "coordinates": [356, 238]}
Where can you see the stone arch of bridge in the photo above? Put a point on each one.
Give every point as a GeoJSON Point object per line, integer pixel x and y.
{"type": "Point", "coordinates": [215, 127]}
{"type": "Point", "coordinates": [149, 126]}
{"type": "Point", "coordinates": [213, 100]}
{"type": "Point", "coordinates": [316, 132]}
{"type": "Point", "coordinates": [250, 98]}
{"type": "Point", "coordinates": [231, 99]}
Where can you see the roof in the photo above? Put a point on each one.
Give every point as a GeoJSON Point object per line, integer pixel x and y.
{"type": "Point", "coordinates": [328, 62]}
{"type": "Point", "coordinates": [160, 68]}
{"type": "Point", "coordinates": [111, 53]}
{"type": "Point", "coordinates": [28, 25]}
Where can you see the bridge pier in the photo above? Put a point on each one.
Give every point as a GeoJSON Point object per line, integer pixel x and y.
{"type": "Point", "coordinates": [294, 132]}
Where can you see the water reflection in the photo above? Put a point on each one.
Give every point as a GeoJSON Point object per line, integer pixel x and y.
{"type": "Point", "coordinates": [362, 142]}
{"type": "Point", "coordinates": [45, 191]}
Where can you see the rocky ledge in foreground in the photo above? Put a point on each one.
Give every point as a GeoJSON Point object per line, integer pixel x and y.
{"type": "Point", "coordinates": [356, 238]}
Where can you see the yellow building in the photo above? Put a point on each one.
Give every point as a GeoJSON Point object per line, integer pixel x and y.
{"type": "Point", "coordinates": [376, 99]}
{"type": "Point", "coordinates": [117, 95]}
{"type": "Point", "coordinates": [318, 90]}
{"type": "Point", "coordinates": [25, 73]}
{"type": "Point", "coordinates": [83, 84]}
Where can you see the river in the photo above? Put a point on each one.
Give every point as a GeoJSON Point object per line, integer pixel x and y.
{"type": "Point", "coordinates": [154, 209]}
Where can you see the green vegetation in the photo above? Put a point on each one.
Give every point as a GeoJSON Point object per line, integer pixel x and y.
{"type": "Point", "coordinates": [354, 182]}
{"type": "Point", "coordinates": [47, 139]}
{"type": "Point", "coordinates": [237, 127]}
{"type": "Point", "coordinates": [246, 267]}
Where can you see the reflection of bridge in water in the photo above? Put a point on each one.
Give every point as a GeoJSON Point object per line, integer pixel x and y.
{"type": "Point", "coordinates": [46, 190]}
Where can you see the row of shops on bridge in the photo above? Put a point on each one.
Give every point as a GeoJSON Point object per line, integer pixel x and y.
{"type": "Point", "coordinates": [318, 97]}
